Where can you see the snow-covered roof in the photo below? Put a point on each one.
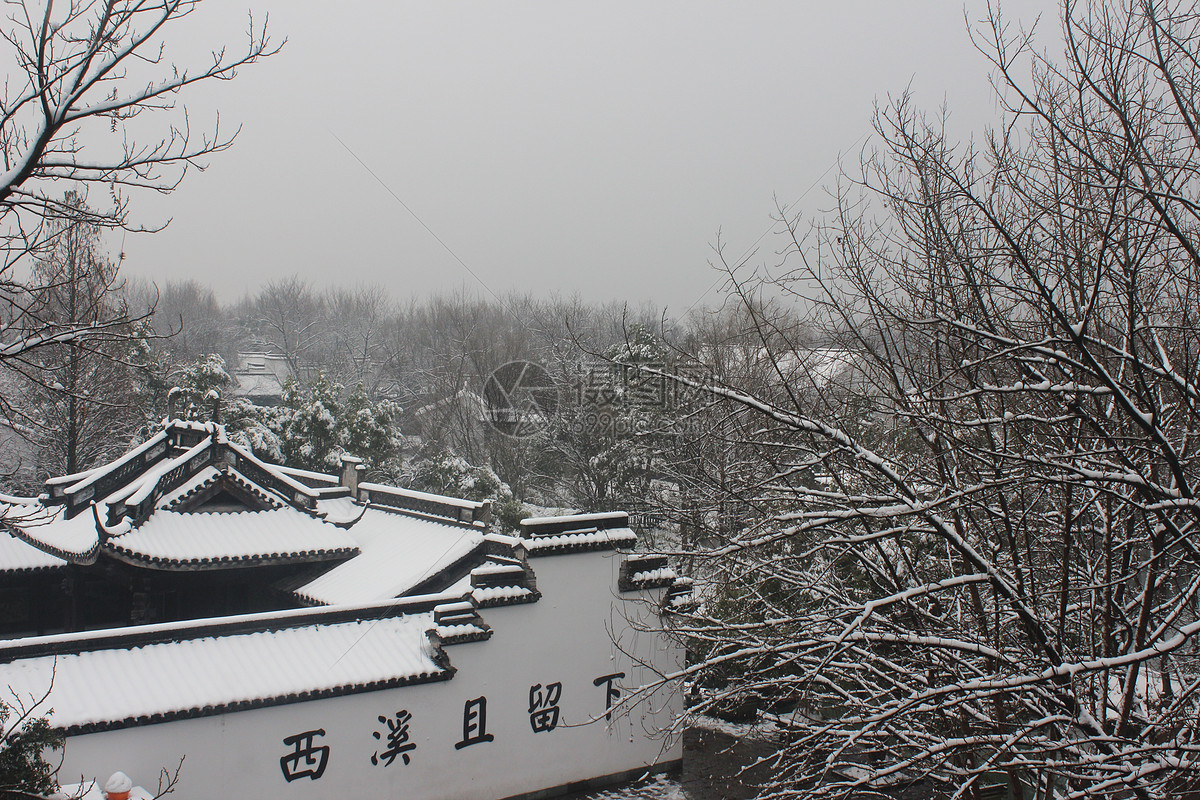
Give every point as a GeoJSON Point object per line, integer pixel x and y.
{"type": "Point", "coordinates": [19, 556]}
{"type": "Point", "coordinates": [201, 480]}
{"type": "Point", "coordinates": [188, 498]}
{"type": "Point", "coordinates": [48, 529]}
{"type": "Point", "coordinates": [208, 477]}
{"type": "Point", "coordinates": [398, 553]}
{"type": "Point", "coordinates": [257, 385]}
{"type": "Point", "coordinates": [803, 366]}
{"type": "Point", "coordinates": [219, 539]}
{"type": "Point", "coordinates": [104, 688]}
{"type": "Point", "coordinates": [824, 364]}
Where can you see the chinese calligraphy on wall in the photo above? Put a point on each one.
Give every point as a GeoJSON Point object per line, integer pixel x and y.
{"type": "Point", "coordinates": [308, 756]}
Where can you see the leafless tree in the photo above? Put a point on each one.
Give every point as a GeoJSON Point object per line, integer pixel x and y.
{"type": "Point", "coordinates": [286, 317]}
{"type": "Point", "coordinates": [89, 80]}
{"type": "Point", "coordinates": [967, 554]}
{"type": "Point", "coordinates": [188, 317]}
{"type": "Point", "coordinates": [356, 328]}
{"type": "Point", "coordinates": [74, 399]}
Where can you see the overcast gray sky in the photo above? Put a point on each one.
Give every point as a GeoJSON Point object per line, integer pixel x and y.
{"type": "Point", "coordinates": [589, 147]}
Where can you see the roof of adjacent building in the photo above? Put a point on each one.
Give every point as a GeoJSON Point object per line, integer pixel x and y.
{"type": "Point", "coordinates": [189, 499]}
{"type": "Point", "coordinates": [257, 386]}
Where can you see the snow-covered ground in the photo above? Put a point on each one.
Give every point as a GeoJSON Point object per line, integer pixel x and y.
{"type": "Point", "coordinates": [660, 787]}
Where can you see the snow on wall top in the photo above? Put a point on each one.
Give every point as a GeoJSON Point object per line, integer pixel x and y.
{"type": "Point", "coordinates": [18, 556]}
{"type": "Point", "coordinates": [318, 478]}
{"type": "Point", "coordinates": [199, 538]}
{"type": "Point", "coordinates": [664, 574]}
{"type": "Point", "coordinates": [498, 595]}
{"type": "Point", "coordinates": [416, 495]}
{"type": "Point", "coordinates": [397, 553]}
{"type": "Point", "coordinates": [104, 688]}
{"type": "Point", "coordinates": [607, 538]}
{"type": "Point", "coordinates": [646, 571]}
{"type": "Point", "coordinates": [576, 533]}
{"type": "Point", "coordinates": [580, 519]}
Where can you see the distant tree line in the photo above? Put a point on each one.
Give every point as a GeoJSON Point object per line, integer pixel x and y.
{"type": "Point", "coordinates": [401, 382]}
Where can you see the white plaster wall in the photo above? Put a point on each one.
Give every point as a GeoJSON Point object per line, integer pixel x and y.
{"type": "Point", "coordinates": [576, 633]}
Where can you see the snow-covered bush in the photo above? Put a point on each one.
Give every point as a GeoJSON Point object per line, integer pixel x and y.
{"type": "Point", "coordinates": [196, 385]}
{"type": "Point", "coordinates": [27, 740]}
{"type": "Point", "coordinates": [320, 422]}
{"type": "Point", "coordinates": [201, 385]}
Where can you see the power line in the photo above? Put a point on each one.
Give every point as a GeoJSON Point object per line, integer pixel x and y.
{"type": "Point", "coordinates": [505, 305]}
{"type": "Point", "coordinates": [420, 221]}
